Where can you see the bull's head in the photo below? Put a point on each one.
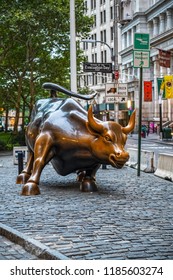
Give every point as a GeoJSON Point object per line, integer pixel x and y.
{"type": "Point", "coordinates": [109, 140]}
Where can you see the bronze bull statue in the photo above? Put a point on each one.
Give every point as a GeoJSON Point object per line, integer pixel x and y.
{"type": "Point", "coordinates": [73, 140]}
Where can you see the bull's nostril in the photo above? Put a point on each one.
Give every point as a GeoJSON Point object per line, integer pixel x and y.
{"type": "Point", "coordinates": [118, 154]}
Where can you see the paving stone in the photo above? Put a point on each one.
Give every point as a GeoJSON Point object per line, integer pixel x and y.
{"type": "Point", "coordinates": [11, 251]}
{"type": "Point", "coordinates": [129, 217]}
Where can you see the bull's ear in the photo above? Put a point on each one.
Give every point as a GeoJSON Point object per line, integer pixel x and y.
{"type": "Point", "coordinates": [93, 123]}
{"type": "Point", "coordinates": [127, 129]}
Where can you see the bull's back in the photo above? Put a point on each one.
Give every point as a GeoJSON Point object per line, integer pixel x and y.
{"type": "Point", "coordinates": [44, 107]}
{"type": "Point", "coordinates": [41, 111]}
{"type": "Point", "coordinates": [53, 112]}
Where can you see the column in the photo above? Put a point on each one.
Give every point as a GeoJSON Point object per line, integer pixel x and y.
{"type": "Point", "coordinates": [124, 73]}
{"type": "Point", "coordinates": [162, 23]}
{"type": "Point", "coordinates": [150, 28]}
{"type": "Point", "coordinates": [155, 26]}
{"type": "Point", "coordinates": [123, 41]}
{"type": "Point", "coordinates": [128, 72]}
{"type": "Point", "coordinates": [169, 19]}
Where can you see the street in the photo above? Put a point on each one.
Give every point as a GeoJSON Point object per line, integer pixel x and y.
{"type": "Point", "coordinates": [151, 143]}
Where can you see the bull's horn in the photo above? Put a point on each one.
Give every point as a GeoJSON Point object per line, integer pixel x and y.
{"type": "Point", "coordinates": [127, 129]}
{"type": "Point", "coordinates": [96, 126]}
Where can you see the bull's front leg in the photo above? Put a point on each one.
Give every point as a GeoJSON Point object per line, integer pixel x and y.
{"type": "Point", "coordinates": [23, 177]}
{"type": "Point", "coordinates": [42, 155]}
{"type": "Point", "coordinates": [87, 180]}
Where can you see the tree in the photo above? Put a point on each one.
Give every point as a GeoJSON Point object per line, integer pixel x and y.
{"type": "Point", "coordinates": [34, 48]}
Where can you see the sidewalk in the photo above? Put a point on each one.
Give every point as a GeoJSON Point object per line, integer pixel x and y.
{"type": "Point", "coordinates": [129, 217]}
{"type": "Point", "coordinates": [154, 137]}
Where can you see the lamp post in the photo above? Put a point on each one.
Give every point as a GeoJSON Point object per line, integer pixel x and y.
{"type": "Point", "coordinates": [160, 114]}
{"type": "Point", "coordinates": [73, 66]}
{"type": "Point", "coordinates": [114, 59]}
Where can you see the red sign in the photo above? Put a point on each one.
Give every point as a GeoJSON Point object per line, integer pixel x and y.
{"type": "Point", "coordinates": [164, 58]}
{"type": "Point", "coordinates": [147, 91]}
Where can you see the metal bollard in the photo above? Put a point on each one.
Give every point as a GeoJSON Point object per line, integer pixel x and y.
{"type": "Point", "coordinates": [104, 166]}
{"type": "Point", "coordinates": [20, 162]}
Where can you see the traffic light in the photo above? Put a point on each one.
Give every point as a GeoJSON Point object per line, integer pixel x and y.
{"type": "Point", "coordinates": [115, 75]}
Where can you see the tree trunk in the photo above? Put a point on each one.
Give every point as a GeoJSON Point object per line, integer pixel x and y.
{"type": "Point", "coordinates": [17, 107]}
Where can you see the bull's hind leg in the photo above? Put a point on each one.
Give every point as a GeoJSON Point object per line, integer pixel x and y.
{"type": "Point", "coordinates": [42, 155]}
{"type": "Point", "coordinates": [87, 180]}
{"type": "Point", "coordinates": [23, 177]}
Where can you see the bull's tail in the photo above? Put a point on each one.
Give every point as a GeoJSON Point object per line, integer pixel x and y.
{"type": "Point", "coordinates": [55, 87]}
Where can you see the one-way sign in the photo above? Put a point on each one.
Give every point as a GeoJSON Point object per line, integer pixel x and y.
{"type": "Point", "coordinates": [97, 67]}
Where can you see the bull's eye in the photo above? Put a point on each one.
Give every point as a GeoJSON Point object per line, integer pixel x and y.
{"type": "Point", "coordinates": [107, 138]}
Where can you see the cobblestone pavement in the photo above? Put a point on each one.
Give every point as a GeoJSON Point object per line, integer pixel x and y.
{"type": "Point", "coordinates": [12, 251]}
{"type": "Point", "coordinates": [129, 217]}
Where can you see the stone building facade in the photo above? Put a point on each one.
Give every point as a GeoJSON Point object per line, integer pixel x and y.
{"type": "Point", "coordinates": [133, 16]}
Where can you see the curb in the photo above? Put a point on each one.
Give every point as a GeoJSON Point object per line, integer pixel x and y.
{"type": "Point", "coordinates": [31, 245]}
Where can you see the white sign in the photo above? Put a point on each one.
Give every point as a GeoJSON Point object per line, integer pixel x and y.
{"type": "Point", "coordinates": [111, 89]}
{"type": "Point", "coordinates": [22, 149]}
{"type": "Point", "coordinates": [122, 89]}
{"type": "Point", "coordinates": [116, 90]}
{"type": "Point", "coordinates": [110, 99]}
{"type": "Point", "coordinates": [117, 99]}
{"type": "Point", "coordinates": [141, 59]}
{"type": "Point", "coordinates": [121, 99]}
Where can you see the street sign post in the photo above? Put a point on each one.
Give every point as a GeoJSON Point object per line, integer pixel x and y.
{"type": "Point", "coordinates": [141, 59]}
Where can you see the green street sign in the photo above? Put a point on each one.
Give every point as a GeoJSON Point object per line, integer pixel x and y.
{"type": "Point", "coordinates": [141, 59]}
{"type": "Point", "coordinates": [141, 41]}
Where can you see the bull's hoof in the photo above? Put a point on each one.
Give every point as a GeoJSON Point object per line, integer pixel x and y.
{"type": "Point", "coordinates": [22, 178]}
{"type": "Point", "coordinates": [88, 185]}
{"type": "Point", "coordinates": [30, 189]}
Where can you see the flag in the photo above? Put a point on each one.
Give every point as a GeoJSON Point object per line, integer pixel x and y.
{"type": "Point", "coordinates": [147, 91]}
{"type": "Point", "coordinates": [159, 82]}
{"type": "Point", "coordinates": [167, 84]}
{"type": "Point", "coordinates": [164, 58]}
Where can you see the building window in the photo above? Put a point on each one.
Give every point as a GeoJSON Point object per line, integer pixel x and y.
{"type": "Point", "coordinates": [112, 33]}
{"type": "Point", "coordinates": [93, 4]}
{"type": "Point", "coordinates": [102, 56]}
{"type": "Point", "coordinates": [111, 13]}
{"type": "Point", "coordinates": [101, 17]}
{"type": "Point", "coordinates": [104, 35]}
{"type": "Point", "coordinates": [105, 56]}
{"type": "Point", "coordinates": [85, 5]}
{"type": "Point", "coordinates": [104, 16]}
{"type": "Point", "coordinates": [94, 24]}
{"type": "Point", "coordinates": [94, 37]}
{"type": "Point", "coordinates": [101, 35]}
{"type": "Point", "coordinates": [95, 57]}
{"type": "Point", "coordinates": [85, 46]}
